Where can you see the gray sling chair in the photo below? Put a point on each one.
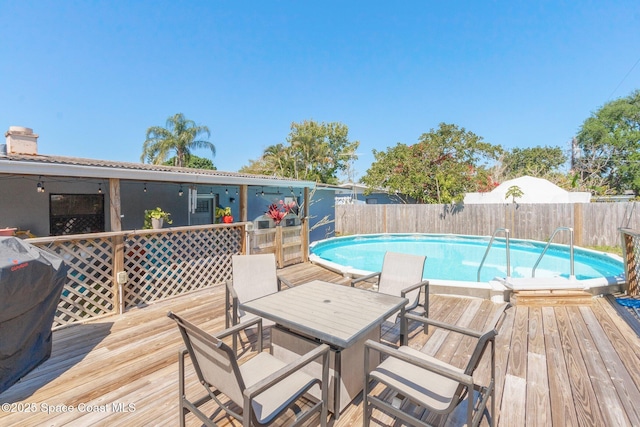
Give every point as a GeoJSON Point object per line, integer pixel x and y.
{"type": "Point", "coordinates": [429, 383]}
{"type": "Point", "coordinates": [254, 276]}
{"type": "Point", "coordinates": [263, 386]}
{"type": "Point", "coordinates": [401, 276]}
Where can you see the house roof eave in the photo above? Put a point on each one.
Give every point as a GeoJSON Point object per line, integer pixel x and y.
{"type": "Point", "coordinates": [42, 165]}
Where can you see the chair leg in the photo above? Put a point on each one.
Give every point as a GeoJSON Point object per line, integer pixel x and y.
{"type": "Point", "coordinates": [426, 309]}
{"type": "Point", "coordinates": [183, 409]}
{"type": "Point", "coordinates": [403, 328]}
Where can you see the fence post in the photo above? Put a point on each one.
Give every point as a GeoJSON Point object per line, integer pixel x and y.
{"type": "Point", "coordinates": [577, 224]}
{"type": "Point", "coordinates": [118, 266]}
{"type": "Point", "coordinates": [630, 265]}
{"type": "Point", "coordinates": [278, 247]}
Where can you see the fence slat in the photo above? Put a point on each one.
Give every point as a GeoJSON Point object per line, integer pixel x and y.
{"type": "Point", "coordinates": [595, 224]}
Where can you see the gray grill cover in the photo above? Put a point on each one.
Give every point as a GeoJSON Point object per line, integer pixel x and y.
{"type": "Point", "coordinates": [31, 281]}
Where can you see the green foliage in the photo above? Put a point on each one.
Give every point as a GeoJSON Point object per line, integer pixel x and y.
{"type": "Point", "coordinates": [156, 213]}
{"type": "Point", "coordinates": [314, 152]}
{"type": "Point", "coordinates": [179, 137]}
{"type": "Point", "coordinates": [194, 162]}
{"type": "Point", "coordinates": [609, 143]}
{"type": "Point", "coordinates": [440, 168]}
{"type": "Point", "coordinates": [514, 192]}
{"type": "Point", "coordinates": [537, 161]}
{"type": "Point", "coordinates": [220, 212]}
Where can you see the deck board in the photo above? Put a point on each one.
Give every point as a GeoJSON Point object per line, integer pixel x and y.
{"type": "Point", "coordinates": [556, 365]}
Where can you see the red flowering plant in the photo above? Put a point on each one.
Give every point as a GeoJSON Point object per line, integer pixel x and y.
{"type": "Point", "coordinates": [277, 211]}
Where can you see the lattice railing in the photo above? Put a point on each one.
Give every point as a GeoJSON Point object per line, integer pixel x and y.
{"type": "Point", "coordinates": [168, 263]}
{"type": "Point", "coordinates": [88, 291]}
{"type": "Point", "coordinates": [631, 246]}
{"type": "Point", "coordinates": [158, 264]}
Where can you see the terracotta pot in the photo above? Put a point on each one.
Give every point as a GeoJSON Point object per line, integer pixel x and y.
{"type": "Point", "coordinates": [7, 231]}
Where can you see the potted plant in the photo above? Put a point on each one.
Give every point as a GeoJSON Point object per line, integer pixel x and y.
{"type": "Point", "coordinates": [224, 214]}
{"type": "Point", "coordinates": [155, 218]}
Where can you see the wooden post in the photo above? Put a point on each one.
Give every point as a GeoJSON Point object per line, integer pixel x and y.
{"type": "Point", "coordinates": [118, 266]}
{"type": "Point", "coordinates": [278, 247]}
{"type": "Point", "coordinates": [304, 230]}
{"type": "Point", "coordinates": [115, 205]}
{"type": "Point", "coordinates": [577, 224]}
{"type": "Point", "coordinates": [115, 210]}
{"type": "Point", "coordinates": [244, 191]}
{"type": "Point", "coordinates": [630, 264]}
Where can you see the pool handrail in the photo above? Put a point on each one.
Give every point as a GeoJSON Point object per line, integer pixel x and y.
{"type": "Point", "coordinates": [571, 266]}
{"type": "Point", "coordinates": [493, 236]}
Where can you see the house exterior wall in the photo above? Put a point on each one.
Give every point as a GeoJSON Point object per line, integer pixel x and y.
{"type": "Point", "coordinates": [322, 205]}
{"type": "Point", "coordinates": [21, 206]}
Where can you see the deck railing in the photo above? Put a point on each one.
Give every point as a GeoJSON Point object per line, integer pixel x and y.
{"type": "Point", "coordinates": [631, 255]}
{"type": "Point", "coordinates": [112, 272]}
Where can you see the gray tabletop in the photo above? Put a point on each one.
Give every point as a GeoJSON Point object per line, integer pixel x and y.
{"type": "Point", "coordinates": [335, 314]}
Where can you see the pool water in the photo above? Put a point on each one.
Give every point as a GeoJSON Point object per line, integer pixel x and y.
{"type": "Point", "coordinates": [456, 257]}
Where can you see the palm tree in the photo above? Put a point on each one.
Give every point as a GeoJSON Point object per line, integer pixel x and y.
{"type": "Point", "coordinates": [179, 136]}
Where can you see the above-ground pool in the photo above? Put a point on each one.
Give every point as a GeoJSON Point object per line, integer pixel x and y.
{"type": "Point", "coordinates": [456, 258]}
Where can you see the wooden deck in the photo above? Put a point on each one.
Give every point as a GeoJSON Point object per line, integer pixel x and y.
{"type": "Point", "coordinates": [556, 365]}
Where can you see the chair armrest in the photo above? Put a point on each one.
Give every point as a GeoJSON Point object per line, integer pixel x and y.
{"type": "Point", "coordinates": [405, 291]}
{"type": "Point", "coordinates": [363, 278]}
{"type": "Point", "coordinates": [443, 370]}
{"type": "Point", "coordinates": [285, 371]}
{"type": "Point", "coordinates": [282, 280]}
{"type": "Point", "coordinates": [239, 327]}
{"type": "Point", "coordinates": [438, 324]}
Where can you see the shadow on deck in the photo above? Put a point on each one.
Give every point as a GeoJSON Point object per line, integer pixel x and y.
{"type": "Point", "coordinates": [559, 365]}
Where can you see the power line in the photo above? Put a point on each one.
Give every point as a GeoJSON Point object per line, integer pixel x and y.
{"type": "Point", "coordinates": [624, 78]}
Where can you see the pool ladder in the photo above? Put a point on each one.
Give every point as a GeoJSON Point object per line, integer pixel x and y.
{"type": "Point", "coordinates": [544, 251]}
{"type": "Point", "coordinates": [571, 263]}
{"type": "Point", "coordinates": [493, 236]}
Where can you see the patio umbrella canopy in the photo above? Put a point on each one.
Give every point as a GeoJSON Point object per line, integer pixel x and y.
{"type": "Point", "coordinates": [31, 281]}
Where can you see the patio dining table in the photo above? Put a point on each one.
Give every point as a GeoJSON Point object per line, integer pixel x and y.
{"type": "Point", "coordinates": [341, 316]}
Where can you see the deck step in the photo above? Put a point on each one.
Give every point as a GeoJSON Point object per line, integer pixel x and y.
{"type": "Point", "coordinates": [551, 297]}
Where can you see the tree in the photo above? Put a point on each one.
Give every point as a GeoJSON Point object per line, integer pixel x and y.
{"type": "Point", "coordinates": [440, 168]}
{"type": "Point", "coordinates": [608, 143]}
{"type": "Point", "coordinates": [537, 161]}
{"type": "Point", "coordinates": [179, 137]}
{"type": "Point", "coordinates": [194, 162]}
{"type": "Point", "coordinates": [514, 192]}
{"type": "Point", "coordinates": [314, 152]}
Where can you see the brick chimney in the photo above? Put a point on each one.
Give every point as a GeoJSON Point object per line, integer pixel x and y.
{"type": "Point", "coordinates": [21, 140]}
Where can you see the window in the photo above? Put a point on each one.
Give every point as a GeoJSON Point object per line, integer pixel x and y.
{"type": "Point", "coordinates": [76, 213]}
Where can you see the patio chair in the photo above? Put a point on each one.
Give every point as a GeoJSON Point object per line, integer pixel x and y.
{"type": "Point", "coordinates": [401, 275]}
{"type": "Point", "coordinates": [263, 387]}
{"type": "Point", "coordinates": [429, 383]}
{"type": "Point", "coordinates": [254, 276]}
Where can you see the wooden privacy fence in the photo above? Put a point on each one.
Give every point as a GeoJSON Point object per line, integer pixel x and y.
{"type": "Point", "coordinates": [631, 248]}
{"type": "Point", "coordinates": [112, 272]}
{"type": "Point", "coordinates": [594, 224]}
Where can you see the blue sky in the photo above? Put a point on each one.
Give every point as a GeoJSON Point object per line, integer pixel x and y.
{"type": "Point", "coordinates": [91, 76]}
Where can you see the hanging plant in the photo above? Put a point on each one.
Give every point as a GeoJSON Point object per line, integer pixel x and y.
{"type": "Point", "coordinates": [156, 214]}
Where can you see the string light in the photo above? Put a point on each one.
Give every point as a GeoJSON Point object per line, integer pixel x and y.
{"type": "Point", "coordinates": [99, 188]}
{"type": "Point", "coordinates": [180, 192]}
{"type": "Point", "coordinates": [226, 191]}
{"type": "Point", "coordinates": [40, 185]}
{"type": "Point", "coordinates": [145, 187]}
